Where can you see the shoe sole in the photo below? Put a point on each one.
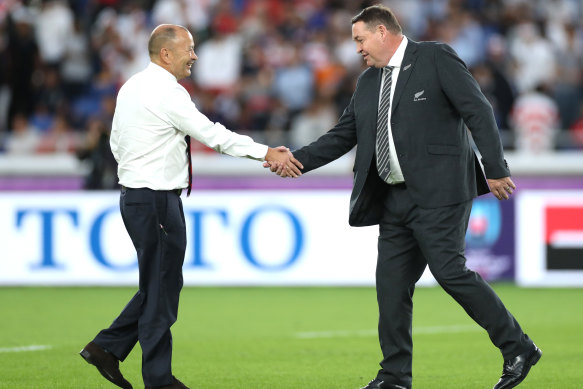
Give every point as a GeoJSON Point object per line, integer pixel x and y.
{"type": "Point", "coordinates": [87, 357]}
{"type": "Point", "coordinates": [530, 363]}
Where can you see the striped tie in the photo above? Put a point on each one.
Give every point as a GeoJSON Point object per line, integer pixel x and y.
{"type": "Point", "coordinates": [382, 147]}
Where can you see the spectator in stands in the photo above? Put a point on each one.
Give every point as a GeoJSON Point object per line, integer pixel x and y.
{"type": "Point", "coordinates": [497, 90]}
{"type": "Point", "coordinates": [568, 88]}
{"type": "Point", "coordinates": [23, 139]}
{"type": "Point", "coordinates": [294, 84]}
{"type": "Point", "coordinates": [312, 122]}
{"type": "Point", "coordinates": [76, 70]}
{"type": "Point", "coordinates": [96, 152]}
{"type": "Point", "coordinates": [59, 137]}
{"type": "Point", "coordinates": [533, 56]}
{"type": "Point", "coordinates": [49, 90]}
{"type": "Point", "coordinates": [535, 118]}
{"type": "Point", "coordinates": [257, 99]}
{"type": "Point", "coordinates": [53, 25]}
{"type": "Point", "coordinates": [22, 61]}
{"type": "Point", "coordinates": [219, 67]}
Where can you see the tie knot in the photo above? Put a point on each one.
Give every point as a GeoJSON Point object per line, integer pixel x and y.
{"type": "Point", "coordinates": [389, 68]}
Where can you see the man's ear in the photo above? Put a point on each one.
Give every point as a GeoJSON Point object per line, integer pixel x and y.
{"type": "Point", "coordinates": [165, 55]}
{"type": "Point", "coordinates": [383, 31]}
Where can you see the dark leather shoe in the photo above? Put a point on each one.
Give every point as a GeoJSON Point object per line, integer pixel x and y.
{"type": "Point", "coordinates": [106, 363]}
{"type": "Point", "coordinates": [380, 384]}
{"type": "Point", "coordinates": [516, 369]}
{"type": "Point", "coordinates": [174, 385]}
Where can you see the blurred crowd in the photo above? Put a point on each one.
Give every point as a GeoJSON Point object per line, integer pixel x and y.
{"type": "Point", "coordinates": [281, 71]}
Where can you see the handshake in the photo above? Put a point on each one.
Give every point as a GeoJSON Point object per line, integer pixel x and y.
{"type": "Point", "coordinates": [282, 162]}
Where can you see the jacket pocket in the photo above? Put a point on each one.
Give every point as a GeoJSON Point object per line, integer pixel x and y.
{"type": "Point", "coordinates": [444, 149]}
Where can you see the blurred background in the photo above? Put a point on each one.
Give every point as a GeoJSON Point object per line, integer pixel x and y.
{"type": "Point", "coordinates": [281, 72]}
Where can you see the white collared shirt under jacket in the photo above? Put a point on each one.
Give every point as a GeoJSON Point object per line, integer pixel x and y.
{"type": "Point", "coordinates": [396, 61]}
{"type": "Point", "coordinates": [152, 116]}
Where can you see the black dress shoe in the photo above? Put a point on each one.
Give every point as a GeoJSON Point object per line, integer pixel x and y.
{"type": "Point", "coordinates": [106, 363]}
{"type": "Point", "coordinates": [516, 369]}
{"type": "Point", "coordinates": [380, 384]}
{"type": "Point", "coordinates": [176, 384]}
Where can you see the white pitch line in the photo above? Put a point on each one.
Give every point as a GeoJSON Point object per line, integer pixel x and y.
{"type": "Point", "coordinates": [365, 333]}
{"type": "Point", "coordinates": [19, 349]}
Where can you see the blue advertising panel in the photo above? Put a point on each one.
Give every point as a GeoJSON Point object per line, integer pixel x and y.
{"type": "Point", "coordinates": [490, 238]}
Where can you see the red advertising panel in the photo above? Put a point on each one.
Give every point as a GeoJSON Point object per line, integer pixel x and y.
{"type": "Point", "coordinates": [564, 237]}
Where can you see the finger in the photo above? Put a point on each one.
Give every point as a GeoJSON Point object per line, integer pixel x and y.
{"type": "Point", "coordinates": [280, 169]}
{"type": "Point", "coordinates": [289, 172]}
{"type": "Point", "coordinates": [294, 169]}
{"type": "Point", "coordinates": [497, 192]}
{"type": "Point", "coordinates": [296, 162]}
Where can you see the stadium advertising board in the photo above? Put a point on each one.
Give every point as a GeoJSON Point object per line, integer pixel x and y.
{"type": "Point", "coordinates": [490, 238]}
{"type": "Point", "coordinates": [234, 238]}
{"type": "Point", "coordinates": [550, 240]}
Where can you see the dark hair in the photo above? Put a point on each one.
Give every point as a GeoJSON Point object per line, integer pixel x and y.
{"type": "Point", "coordinates": [379, 14]}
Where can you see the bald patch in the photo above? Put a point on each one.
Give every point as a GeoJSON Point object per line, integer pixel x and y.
{"type": "Point", "coordinates": [162, 36]}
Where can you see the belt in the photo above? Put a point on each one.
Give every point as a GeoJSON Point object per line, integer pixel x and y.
{"type": "Point", "coordinates": [178, 192]}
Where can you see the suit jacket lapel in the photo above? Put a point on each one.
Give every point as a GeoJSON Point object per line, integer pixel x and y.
{"type": "Point", "coordinates": [406, 69]}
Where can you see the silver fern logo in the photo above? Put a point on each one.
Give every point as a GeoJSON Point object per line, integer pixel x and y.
{"type": "Point", "coordinates": [417, 96]}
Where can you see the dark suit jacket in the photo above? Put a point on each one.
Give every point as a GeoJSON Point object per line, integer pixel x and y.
{"type": "Point", "coordinates": [434, 96]}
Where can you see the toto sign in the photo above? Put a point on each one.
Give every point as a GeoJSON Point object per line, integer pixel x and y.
{"type": "Point", "coordinates": [47, 230]}
{"type": "Point", "coordinates": [260, 237]}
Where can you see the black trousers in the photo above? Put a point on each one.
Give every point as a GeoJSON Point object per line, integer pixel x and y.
{"type": "Point", "coordinates": [155, 223]}
{"type": "Point", "coordinates": [410, 238]}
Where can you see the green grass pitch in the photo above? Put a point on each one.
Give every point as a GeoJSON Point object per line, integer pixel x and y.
{"type": "Point", "coordinates": [286, 338]}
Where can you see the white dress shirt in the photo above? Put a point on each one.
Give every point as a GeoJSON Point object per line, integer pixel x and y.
{"type": "Point", "coordinates": [152, 116]}
{"type": "Point", "coordinates": [396, 175]}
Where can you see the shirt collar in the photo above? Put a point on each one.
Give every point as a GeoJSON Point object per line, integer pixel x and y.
{"type": "Point", "coordinates": [159, 70]}
{"type": "Point", "coordinates": [397, 58]}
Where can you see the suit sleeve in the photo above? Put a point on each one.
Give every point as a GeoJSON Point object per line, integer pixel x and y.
{"type": "Point", "coordinates": [464, 93]}
{"type": "Point", "coordinates": [333, 144]}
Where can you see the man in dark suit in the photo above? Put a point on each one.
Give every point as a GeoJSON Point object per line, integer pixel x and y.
{"type": "Point", "coordinates": [415, 174]}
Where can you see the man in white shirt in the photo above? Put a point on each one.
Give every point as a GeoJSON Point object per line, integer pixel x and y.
{"type": "Point", "coordinates": [153, 115]}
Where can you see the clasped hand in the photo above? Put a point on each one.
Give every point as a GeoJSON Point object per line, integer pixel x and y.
{"type": "Point", "coordinates": [281, 161]}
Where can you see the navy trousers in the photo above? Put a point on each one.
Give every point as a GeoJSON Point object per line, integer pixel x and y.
{"type": "Point", "coordinates": [155, 222]}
